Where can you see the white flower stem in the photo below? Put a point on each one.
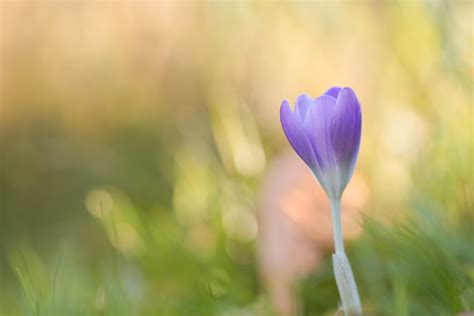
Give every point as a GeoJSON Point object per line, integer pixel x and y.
{"type": "Point", "coordinates": [342, 270]}
{"type": "Point", "coordinates": [337, 225]}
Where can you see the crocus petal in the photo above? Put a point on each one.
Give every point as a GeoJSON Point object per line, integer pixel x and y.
{"type": "Point", "coordinates": [302, 105]}
{"type": "Point", "coordinates": [293, 128]}
{"type": "Point", "coordinates": [325, 133]}
{"type": "Point", "coordinates": [317, 129]}
{"type": "Point", "coordinates": [333, 92]}
{"type": "Point", "coordinates": [346, 130]}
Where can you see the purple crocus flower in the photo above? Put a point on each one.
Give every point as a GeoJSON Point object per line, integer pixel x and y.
{"type": "Point", "coordinates": [325, 133]}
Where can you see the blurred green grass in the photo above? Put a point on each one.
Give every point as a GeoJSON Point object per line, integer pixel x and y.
{"type": "Point", "coordinates": [128, 130]}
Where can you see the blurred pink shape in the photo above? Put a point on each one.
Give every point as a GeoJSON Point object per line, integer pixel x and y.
{"type": "Point", "coordinates": [295, 226]}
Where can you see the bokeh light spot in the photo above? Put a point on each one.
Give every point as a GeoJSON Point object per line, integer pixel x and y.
{"type": "Point", "coordinates": [99, 202]}
{"type": "Point", "coordinates": [240, 224]}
